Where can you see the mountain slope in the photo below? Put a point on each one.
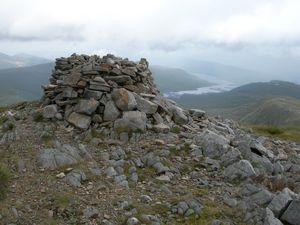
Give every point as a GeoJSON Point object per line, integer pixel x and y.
{"type": "Point", "coordinates": [175, 79]}
{"type": "Point", "coordinates": [276, 111]}
{"type": "Point", "coordinates": [23, 83]}
{"type": "Point", "coordinates": [242, 101]}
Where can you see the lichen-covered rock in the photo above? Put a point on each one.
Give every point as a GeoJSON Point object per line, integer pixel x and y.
{"type": "Point", "coordinates": [124, 99]}
{"type": "Point", "coordinates": [49, 111]}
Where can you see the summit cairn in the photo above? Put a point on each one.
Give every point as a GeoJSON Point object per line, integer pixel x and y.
{"type": "Point", "coordinates": [88, 90]}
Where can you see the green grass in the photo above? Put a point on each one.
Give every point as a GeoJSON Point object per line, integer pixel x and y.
{"type": "Point", "coordinates": [4, 177]}
{"type": "Point", "coordinates": [3, 119]}
{"type": "Point", "coordinates": [284, 133]}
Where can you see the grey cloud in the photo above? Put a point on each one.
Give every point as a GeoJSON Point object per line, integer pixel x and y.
{"type": "Point", "coordinates": [47, 33]}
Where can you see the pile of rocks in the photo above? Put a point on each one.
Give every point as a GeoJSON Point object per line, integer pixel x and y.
{"type": "Point", "coordinates": [86, 90]}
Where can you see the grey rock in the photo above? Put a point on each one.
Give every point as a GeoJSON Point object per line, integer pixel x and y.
{"type": "Point", "coordinates": [55, 158]}
{"type": "Point", "coordinates": [213, 145]}
{"type": "Point", "coordinates": [179, 116]}
{"type": "Point", "coordinates": [121, 79]}
{"type": "Point", "coordinates": [230, 202]}
{"type": "Point", "coordinates": [160, 168]}
{"type": "Point", "coordinates": [75, 177]}
{"type": "Point", "coordinates": [240, 170]}
{"type": "Point", "coordinates": [197, 113]}
{"type": "Point", "coordinates": [132, 221]}
{"type": "Point", "coordinates": [124, 99]}
{"type": "Point", "coordinates": [161, 128]}
{"type": "Point", "coordinates": [111, 172]}
{"type": "Point", "coordinates": [145, 105]}
{"type": "Point", "coordinates": [49, 111]}
{"type": "Point", "coordinates": [93, 94]}
{"type": "Point", "coordinates": [279, 203]}
{"type": "Point", "coordinates": [86, 106]}
{"type": "Point", "coordinates": [79, 120]}
{"type": "Point", "coordinates": [111, 112]}
{"type": "Point", "coordinates": [270, 219]}
{"type": "Point", "coordinates": [262, 197]}
{"type": "Point", "coordinates": [72, 79]}
{"type": "Point", "coordinates": [233, 155]}
{"type": "Point", "coordinates": [216, 222]}
{"type": "Point", "coordinates": [291, 214]}
{"type": "Point", "coordinates": [146, 199]}
{"type": "Point", "coordinates": [91, 212]}
{"type": "Point", "coordinates": [131, 121]}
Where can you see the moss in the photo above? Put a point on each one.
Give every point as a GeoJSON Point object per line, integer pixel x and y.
{"type": "Point", "coordinates": [284, 133]}
{"type": "Point", "coordinates": [144, 173]}
{"type": "Point", "coordinates": [38, 117]}
{"type": "Point", "coordinates": [4, 178]}
{"type": "Point", "coordinates": [3, 119]}
{"type": "Point", "coordinates": [183, 150]}
{"type": "Point", "coordinates": [63, 199]}
{"type": "Point", "coordinates": [175, 130]}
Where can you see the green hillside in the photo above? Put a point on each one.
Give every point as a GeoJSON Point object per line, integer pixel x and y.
{"type": "Point", "coordinates": [272, 103]}
{"type": "Point", "coordinates": [276, 111]}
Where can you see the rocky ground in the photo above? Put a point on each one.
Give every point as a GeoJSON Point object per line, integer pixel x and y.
{"type": "Point", "coordinates": [213, 173]}
{"type": "Point", "coordinates": [103, 146]}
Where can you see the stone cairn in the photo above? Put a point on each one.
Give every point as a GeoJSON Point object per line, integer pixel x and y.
{"type": "Point", "coordinates": [90, 90]}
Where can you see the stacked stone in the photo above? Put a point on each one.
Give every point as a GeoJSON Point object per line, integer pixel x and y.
{"type": "Point", "coordinates": [87, 90]}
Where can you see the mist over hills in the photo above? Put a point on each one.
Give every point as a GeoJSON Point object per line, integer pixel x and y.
{"type": "Point", "coordinates": [20, 60]}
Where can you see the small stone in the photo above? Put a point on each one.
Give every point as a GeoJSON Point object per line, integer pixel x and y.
{"type": "Point", "coordinates": [61, 175]}
{"type": "Point", "coordinates": [91, 212]}
{"type": "Point", "coordinates": [132, 221]}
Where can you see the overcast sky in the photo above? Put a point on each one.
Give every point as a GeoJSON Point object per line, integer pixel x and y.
{"type": "Point", "coordinates": [228, 31]}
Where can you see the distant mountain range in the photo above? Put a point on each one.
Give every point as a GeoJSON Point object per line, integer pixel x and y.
{"type": "Point", "coordinates": [19, 84]}
{"type": "Point", "coordinates": [219, 71]}
{"type": "Point", "coordinates": [272, 103]}
{"type": "Point", "coordinates": [20, 60]}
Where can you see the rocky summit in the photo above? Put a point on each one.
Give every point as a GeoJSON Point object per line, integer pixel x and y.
{"type": "Point", "coordinates": [103, 146]}
{"type": "Point", "coordinates": [88, 90]}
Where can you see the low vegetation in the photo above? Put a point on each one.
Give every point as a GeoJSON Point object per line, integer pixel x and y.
{"type": "Point", "coordinates": [4, 177]}
{"type": "Point", "coordinates": [284, 133]}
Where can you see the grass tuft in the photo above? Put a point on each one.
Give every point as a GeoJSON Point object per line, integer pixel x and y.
{"type": "Point", "coordinates": [4, 178]}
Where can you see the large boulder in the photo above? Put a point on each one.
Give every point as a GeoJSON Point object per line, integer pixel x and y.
{"type": "Point", "coordinates": [280, 202]}
{"type": "Point", "coordinates": [79, 120]}
{"type": "Point", "coordinates": [240, 170]}
{"type": "Point", "coordinates": [53, 158]}
{"type": "Point", "coordinates": [292, 213]}
{"type": "Point", "coordinates": [270, 219]}
{"type": "Point", "coordinates": [179, 116]}
{"type": "Point", "coordinates": [145, 105]}
{"type": "Point", "coordinates": [111, 112]}
{"type": "Point", "coordinates": [131, 121]}
{"type": "Point", "coordinates": [124, 99]}
{"type": "Point", "coordinates": [212, 144]}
